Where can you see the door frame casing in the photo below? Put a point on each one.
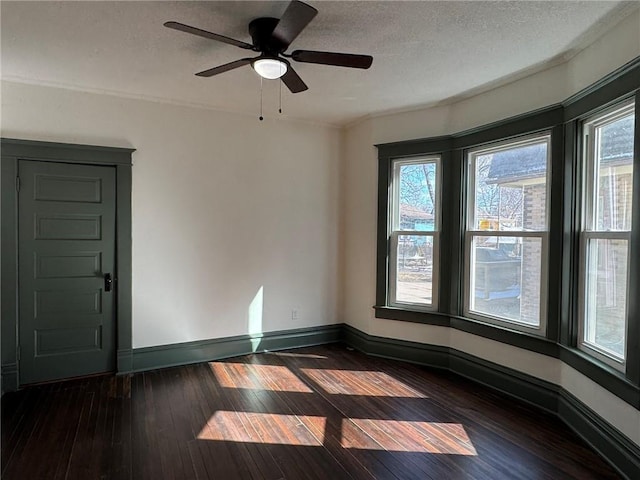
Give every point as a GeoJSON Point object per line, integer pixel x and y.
{"type": "Point", "coordinates": [12, 151]}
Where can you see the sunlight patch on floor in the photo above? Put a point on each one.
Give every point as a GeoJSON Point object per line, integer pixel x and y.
{"type": "Point", "coordinates": [267, 428]}
{"type": "Point", "coordinates": [402, 436]}
{"type": "Point", "coordinates": [258, 377]}
{"type": "Point", "coordinates": [356, 382]}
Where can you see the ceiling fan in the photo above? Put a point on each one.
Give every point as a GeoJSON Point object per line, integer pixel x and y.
{"type": "Point", "coordinates": [271, 37]}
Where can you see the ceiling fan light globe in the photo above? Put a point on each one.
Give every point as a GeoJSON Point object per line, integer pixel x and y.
{"type": "Point", "coordinates": [270, 68]}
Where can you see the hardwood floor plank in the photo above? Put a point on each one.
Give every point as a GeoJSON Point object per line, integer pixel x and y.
{"type": "Point", "coordinates": [80, 458]}
{"type": "Point", "coordinates": [167, 454]}
{"type": "Point", "coordinates": [144, 448]}
{"type": "Point", "coordinates": [110, 436]}
{"type": "Point", "coordinates": [121, 466]}
{"type": "Point", "coordinates": [17, 427]}
{"type": "Point", "coordinates": [45, 438]}
{"type": "Point", "coordinates": [172, 406]}
{"type": "Point", "coordinates": [207, 460]}
{"type": "Point", "coordinates": [232, 460]}
{"type": "Point", "coordinates": [250, 454]}
{"type": "Point", "coordinates": [199, 468]}
{"type": "Point", "coordinates": [68, 428]}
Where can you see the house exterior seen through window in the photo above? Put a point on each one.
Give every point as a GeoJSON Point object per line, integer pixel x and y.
{"type": "Point", "coordinates": [507, 231]}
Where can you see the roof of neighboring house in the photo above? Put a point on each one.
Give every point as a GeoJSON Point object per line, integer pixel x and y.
{"type": "Point", "coordinates": [618, 144]}
{"type": "Point", "coordinates": [410, 212]}
{"type": "Point", "coordinates": [524, 162]}
{"type": "Point", "coordinates": [530, 161]}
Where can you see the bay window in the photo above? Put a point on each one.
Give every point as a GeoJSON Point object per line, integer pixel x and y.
{"type": "Point", "coordinates": [525, 231]}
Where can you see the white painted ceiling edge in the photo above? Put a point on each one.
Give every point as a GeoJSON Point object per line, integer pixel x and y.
{"type": "Point", "coordinates": [425, 53]}
{"type": "Point", "coordinates": [612, 50]}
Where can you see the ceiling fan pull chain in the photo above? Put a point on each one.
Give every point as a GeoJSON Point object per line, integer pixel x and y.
{"type": "Point", "coordinates": [261, 117]}
{"type": "Point", "coordinates": [280, 106]}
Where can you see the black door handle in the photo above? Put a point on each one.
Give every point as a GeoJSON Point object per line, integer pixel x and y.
{"type": "Point", "coordinates": [108, 282]}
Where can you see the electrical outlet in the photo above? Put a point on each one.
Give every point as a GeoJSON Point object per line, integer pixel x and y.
{"type": "Point", "coordinates": [294, 314]}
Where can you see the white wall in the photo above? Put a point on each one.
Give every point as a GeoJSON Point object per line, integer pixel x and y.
{"type": "Point", "coordinates": [617, 47]}
{"type": "Point", "coordinates": [223, 206]}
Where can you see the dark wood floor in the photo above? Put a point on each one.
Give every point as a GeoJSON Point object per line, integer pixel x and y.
{"type": "Point", "coordinates": [314, 413]}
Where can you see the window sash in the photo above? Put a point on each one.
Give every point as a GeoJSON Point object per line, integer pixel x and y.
{"type": "Point", "coordinates": [539, 329]}
{"type": "Point", "coordinates": [526, 141]}
{"type": "Point", "coordinates": [594, 349]}
{"type": "Point", "coordinates": [393, 270]}
{"type": "Point", "coordinates": [395, 233]}
{"type": "Point", "coordinates": [590, 232]}
{"type": "Point", "coordinates": [590, 166]}
{"type": "Point", "coordinates": [394, 220]}
{"type": "Point", "coordinates": [471, 233]}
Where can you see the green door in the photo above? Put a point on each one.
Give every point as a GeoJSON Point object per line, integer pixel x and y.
{"type": "Point", "coordinates": [66, 255]}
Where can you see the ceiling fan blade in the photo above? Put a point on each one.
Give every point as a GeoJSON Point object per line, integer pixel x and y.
{"type": "Point", "coordinates": [293, 20]}
{"type": "Point", "coordinates": [225, 68]}
{"type": "Point", "coordinates": [331, 58]}
{"type": "Point", "coordinates": [293, 81]}
{"type": "Point", "coordinates": [203, 33]}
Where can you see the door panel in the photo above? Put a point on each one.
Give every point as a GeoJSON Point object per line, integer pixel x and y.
{"type": "Point", "coordinates": [61, 226]}
{"type": "Point", "coordinates": [70, 265]}
{"type": "Point", "coordinates": [66, 245]}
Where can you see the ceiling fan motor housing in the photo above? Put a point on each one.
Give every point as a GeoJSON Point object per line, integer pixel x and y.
{"type": "Point", "coordinates": [260, 30]}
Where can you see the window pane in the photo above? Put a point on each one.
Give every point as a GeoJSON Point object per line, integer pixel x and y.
{"type": "Point", "coordinates": [505, 278]}
{"type": "Point", "coordinates": [606, 295]}
{"type": "Point", "coordinates": [511, 189]}
{"type": "Point", "coordinates": [417, 197]}
{"type": "Point", "coordinates": [613, 183]}
{"type": "Point", "coordinates": [414, 269]}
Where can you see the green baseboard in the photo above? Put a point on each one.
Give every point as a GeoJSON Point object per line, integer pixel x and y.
{"type": "Point", "coordinates": [618, 450]}
{"type": "Point", "coordinates": [613, 446]}
{"type": "Point", "coordinates": [9, 374]}
{"type": "Point", "coordinates": [162, 356]}
{"type": "Point", "coordinates": [124, 361]}
{"type": "Point", "coordinates": [532, 390]}
{"type": "Point", "coordinates": [413, 352]}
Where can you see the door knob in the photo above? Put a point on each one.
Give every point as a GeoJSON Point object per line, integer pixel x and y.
{"type": "Point", "coordinates": [108, 282]}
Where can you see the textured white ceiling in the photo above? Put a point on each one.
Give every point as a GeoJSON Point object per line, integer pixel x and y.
{"type": "Point", "coordinates": [424, 52]}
